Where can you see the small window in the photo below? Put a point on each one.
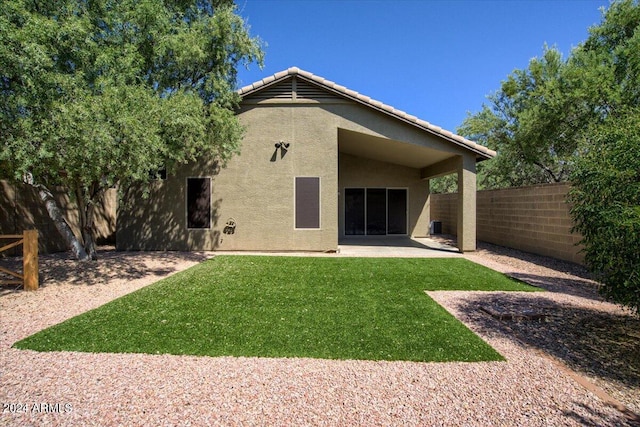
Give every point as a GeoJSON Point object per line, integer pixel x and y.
{"type": "Point", "coordinates": [307, 202]}
{"type": "Point", "coordinates": [198, 202]}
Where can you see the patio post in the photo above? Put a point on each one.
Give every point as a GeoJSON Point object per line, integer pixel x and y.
{"type": "Point", "coordinates": [467, 204]}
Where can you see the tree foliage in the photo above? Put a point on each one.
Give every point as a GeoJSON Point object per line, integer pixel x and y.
{"type": "Point", "coordinates": [605, 196]}
{"type": "Point", "coordinates": [529, 124]}
{"type": "Point", "coordinates": [541, 115]}
{"type": "Point", "coordinates": [578, 119]}
{"type": "Point", "coordinates": [606, 177]}
{"type": "Point", "coordinates": [100, 92]}
{"type": "Point", "coordinates": [609, 61]}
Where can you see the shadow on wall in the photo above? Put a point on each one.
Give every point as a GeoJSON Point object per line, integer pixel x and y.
{"type": "Point", "coordinates": [158, 220]}
{"type": "Point", "coordinates": [21, 209]}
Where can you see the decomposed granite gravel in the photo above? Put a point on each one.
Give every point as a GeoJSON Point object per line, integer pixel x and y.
{"type": "Point", "coordinates": [82, 389]}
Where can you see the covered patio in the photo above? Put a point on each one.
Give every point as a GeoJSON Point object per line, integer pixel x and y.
{"type": "Point", "coordinates": [384, 184]}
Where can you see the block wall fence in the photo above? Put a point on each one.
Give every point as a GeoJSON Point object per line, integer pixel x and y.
{"type": "Point", "coordinates": [533, 219]}
{"type": "Point", "coordinates": [21, 209]}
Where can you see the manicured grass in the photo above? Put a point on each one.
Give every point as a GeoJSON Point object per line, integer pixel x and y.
{"type": "Point", "coordinates": [333, 308]}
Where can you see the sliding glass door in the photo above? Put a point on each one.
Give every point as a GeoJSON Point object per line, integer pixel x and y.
{"type": "Point", "coordinates": [375, 211]}
{"type": "Point", "coordinates": [354, 211]}
{"type": "Point", "coordinates": [396, 211]}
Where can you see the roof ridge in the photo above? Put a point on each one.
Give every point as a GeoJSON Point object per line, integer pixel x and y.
{"type": "Point", "coordinates": [385, 108]}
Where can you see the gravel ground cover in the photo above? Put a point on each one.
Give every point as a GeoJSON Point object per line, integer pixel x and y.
{"type": "Point", "coordinates": [66, 388]}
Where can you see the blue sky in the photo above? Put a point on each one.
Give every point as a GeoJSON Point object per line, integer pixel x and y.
{"type": "Point", "coordinates": [433, 59]}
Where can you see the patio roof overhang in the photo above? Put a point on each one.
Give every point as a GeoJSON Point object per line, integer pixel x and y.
{"type": "Point", "coordinates": [389, 150]}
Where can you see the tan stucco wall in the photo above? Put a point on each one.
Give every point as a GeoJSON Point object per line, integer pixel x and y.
{"type": "Point", "coordinates": [467, 204]}
{"type": "Point", "coordinates": [158, 221]}
{"type": "Point", "coordinates": [362, 119]}
{"type": "Point", "coordinates": [256, 188]}
{"type": "Point", "coordinates": [533, 219]}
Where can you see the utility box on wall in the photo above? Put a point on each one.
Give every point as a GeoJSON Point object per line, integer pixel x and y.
{"type": "Point", "coordinates": [435, 227]}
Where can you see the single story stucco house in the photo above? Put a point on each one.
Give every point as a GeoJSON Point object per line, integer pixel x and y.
{"type": "Point", "coordinates": [318, 163]}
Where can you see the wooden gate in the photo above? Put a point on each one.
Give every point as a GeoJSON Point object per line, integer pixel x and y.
{"type": "Point", "coordinates": [29, 276]}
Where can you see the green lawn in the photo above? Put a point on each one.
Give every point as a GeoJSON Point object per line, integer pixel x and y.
{"type": "Point", "coordinates": [333, 308]}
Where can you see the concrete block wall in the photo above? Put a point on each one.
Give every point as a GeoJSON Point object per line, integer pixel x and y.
{"type": "Point", "coordinates": [533, 219]}
{"type": "Point", "coordinates": [444, 208]}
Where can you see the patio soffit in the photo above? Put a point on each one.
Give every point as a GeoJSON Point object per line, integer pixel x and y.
{"type": "Point", "coordinates": [388, 150]}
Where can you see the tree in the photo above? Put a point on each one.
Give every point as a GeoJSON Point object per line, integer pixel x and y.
{"type": "Point", "coordinates": [606, 179]}
{"type": "Point", "coordinates": [444, 184]}
{"type": "Point", "coordinates": [529, 125]}
{"type": "Point", "coordinates": [579, 119]}
{"type": "Point", "coordinates": [605, 197]}
{"type": "Point", "coordinates": [524, 124]}
{"type": "Point", "coordinates": [542, 115]}
{"type": "Point", "coordinates": [607, 65]}
{"type": "Point", "coordinates": [101, 92]}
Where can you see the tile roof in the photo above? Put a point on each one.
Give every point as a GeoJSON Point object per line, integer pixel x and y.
{"type": "Point", "coordinates": [481, 150]}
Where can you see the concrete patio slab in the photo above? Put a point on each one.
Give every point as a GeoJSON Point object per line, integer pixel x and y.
{"type": "Point", "coordinates": [395, 246]}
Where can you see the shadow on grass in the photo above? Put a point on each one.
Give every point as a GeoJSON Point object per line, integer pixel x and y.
{"type": "Point", "coordinates": [111, 265]}
{"type": "Point", "coordinates": [574, 286]}
{"type": "Point", "coordinates": [597, 344]}
{"type": "Point", "coordinates": [564, 277]}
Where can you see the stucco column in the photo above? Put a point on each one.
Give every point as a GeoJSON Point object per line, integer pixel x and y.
{"type": "Point", "coordinates": [467, 204]}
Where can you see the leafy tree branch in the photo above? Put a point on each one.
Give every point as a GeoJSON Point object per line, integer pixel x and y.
{"type": "Point", "coordinates": [98, 93]}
